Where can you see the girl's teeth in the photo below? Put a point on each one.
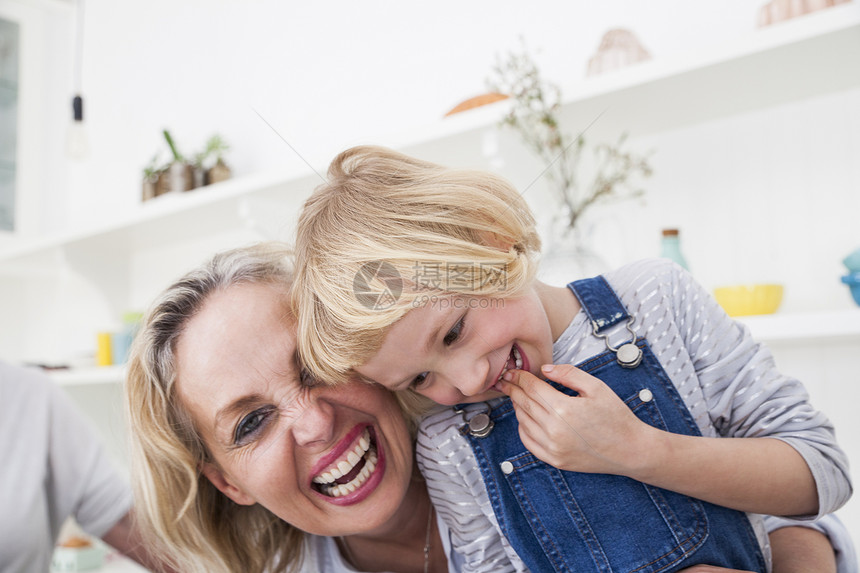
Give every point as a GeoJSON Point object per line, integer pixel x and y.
{"type": "Point", "coordinates": [518, 362]}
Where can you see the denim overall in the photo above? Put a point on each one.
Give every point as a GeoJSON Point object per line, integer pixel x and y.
{"type": "Point", "coordinates": [569, 521]}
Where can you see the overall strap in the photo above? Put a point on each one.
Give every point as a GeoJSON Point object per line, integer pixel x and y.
{"type": "Point", "coordinates": [599, 301]}
{"type": "Point", "coordinates": [603, 308]}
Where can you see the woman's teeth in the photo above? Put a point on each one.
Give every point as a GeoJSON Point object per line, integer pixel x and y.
{"type": "Point", "coordinates": [515, 361]}
{"type": "Point", "coordinates": [352, 471]}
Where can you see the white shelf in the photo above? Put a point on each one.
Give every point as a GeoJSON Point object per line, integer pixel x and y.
{"type": "Point", "coordinates": [815, 54]}
{"type": "Point", "coordinates": [88, 376]}
{"type": "Point", "coordinates": [805, 327]}
{"type": "Point", "coordinates": [167, 219]}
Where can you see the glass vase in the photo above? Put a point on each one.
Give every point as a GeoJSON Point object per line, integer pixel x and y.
{"type": "Point", "coordinates": [569, 255]}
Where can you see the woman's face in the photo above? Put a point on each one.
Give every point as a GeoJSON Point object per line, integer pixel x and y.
{"type": "Point", "coordinates": [328, 460]}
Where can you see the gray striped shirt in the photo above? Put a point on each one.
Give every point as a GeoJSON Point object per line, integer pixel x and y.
{"type": "Point", "coordinates": [728, 381]}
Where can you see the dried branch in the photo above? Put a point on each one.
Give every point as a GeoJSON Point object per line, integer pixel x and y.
{"type": "Point", "coordinates": [534, 117]}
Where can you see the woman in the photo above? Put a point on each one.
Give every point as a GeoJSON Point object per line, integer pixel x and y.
{"type": "Point", "coordinates": [213, 384]}
{"type": "Point", "coordinates": [242, 464]}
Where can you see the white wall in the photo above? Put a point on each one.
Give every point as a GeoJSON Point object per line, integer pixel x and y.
{"type": "Point", "coordinates": [323, 74]}
{"type": "Point", "coordinates": [769, 196]}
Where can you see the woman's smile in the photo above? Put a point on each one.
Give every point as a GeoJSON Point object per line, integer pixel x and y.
{"type": "Point", "coordinates": [354, 468]}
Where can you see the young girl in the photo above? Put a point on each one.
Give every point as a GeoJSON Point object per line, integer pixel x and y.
{"type": "Point", "coordinates": [420, 278]}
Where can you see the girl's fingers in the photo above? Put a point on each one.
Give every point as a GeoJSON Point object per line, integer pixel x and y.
{"type": "Point", "coordinates": [527, 425]}
{"type": "Point", "coordinates": [571, 377]}
{"type": "Point", "coordinates": [528, 393]}
{"type": "Point", "coordinates": [536, 390]}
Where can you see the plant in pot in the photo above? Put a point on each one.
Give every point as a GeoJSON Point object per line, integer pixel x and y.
{"type": "Point", "coordinates": [151, 174]}
{"type": "Point", "coordinates": [578, 180]}
{"type": "Point", "coordinates": [216, 147]}
{"type": "Point", "coordinates": [198, 167]}
{"type": "Point", "coordinates": [179, 174]}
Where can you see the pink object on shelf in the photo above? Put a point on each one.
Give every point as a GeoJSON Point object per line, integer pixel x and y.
{"type": "Point", "coordinates": [779, 10]}
{"type": "Point", "coordinates": [618, 48]}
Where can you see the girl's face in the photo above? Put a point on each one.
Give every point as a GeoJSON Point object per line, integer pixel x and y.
{"type": "Point", "coordinates": [455, 349]}
{"type": "Point", "coordinates": [328, 460]}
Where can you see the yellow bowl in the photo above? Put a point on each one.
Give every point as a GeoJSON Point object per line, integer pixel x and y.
{"type": "Point", "coordinates": [745, 300]}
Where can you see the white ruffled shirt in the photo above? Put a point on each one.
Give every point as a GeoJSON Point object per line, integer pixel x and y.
{"type": "Point", "coordinates": [323, 554]}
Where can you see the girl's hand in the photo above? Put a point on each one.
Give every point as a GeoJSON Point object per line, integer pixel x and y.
{"type": "Point", "coordinates": [593, 432]}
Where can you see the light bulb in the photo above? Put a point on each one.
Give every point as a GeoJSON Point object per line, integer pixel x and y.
{"type": "Point", "coordinates": [77, 142]}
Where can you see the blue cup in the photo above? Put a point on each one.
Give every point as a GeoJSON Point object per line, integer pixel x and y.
{"type": "Point", "coordinates": [853, 282]}
{"type": "Point", "coordinates": [119, 345]}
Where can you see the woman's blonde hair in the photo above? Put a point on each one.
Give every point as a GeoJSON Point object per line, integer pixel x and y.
{"type": "Point", "coordinates": [385, 234]}
{"type": "Point", "coordinates": [183, 516]}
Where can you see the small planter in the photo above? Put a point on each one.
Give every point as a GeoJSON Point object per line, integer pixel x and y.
{"type": "Point", "coordinates": [219, 172]}
{"type": "Point", "coordinates": [149, 188]}
{"type": "Point", "coordinates": [180, 177]}
{"type": "Point", "coordinates": [199, 179]}
{"type": "Point", "coordinates": [183, 174]}
{"type": "Point", "coordinates": [162, 183]}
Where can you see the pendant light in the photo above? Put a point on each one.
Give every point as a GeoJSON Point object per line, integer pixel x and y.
{"type": "Point", "coordinates": [77, 142]}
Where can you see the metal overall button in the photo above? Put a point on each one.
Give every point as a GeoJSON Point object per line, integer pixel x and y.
{"type": "Point", "coordinates": [507, 467]}
{"type": "Point", "coordinates": [628, 355]}
{"type": "Point", "coordinates": [646, 395]}
{"type": "Point", "coordinates": [480, 425]}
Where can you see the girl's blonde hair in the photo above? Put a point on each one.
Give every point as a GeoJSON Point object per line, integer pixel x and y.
{"type": "Point", "coordinates": [192, 525]}
{"type": "Point", "coordinates": [387, 233]}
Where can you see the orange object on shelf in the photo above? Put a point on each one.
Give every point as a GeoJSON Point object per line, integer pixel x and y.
{"type": "Point", "coordinates": [76, 542]}
{"type": "Point", "coordinates": [477, 101]}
